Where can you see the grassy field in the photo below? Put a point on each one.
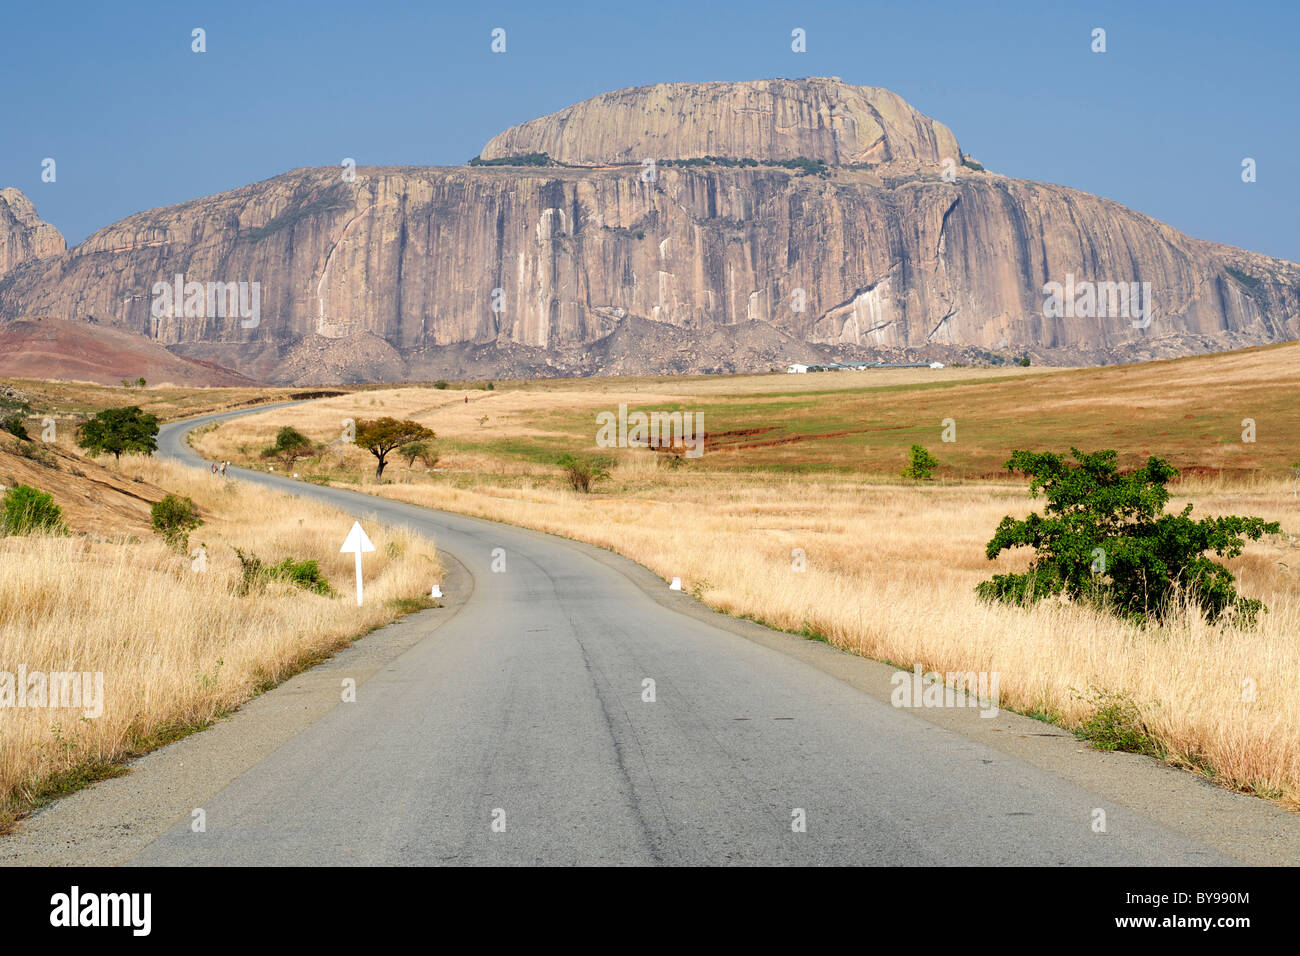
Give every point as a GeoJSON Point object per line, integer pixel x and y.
{"type": "Point", "coordinates": [1190, 411]}
{"type": "Point", "coordinates": [177, 647]}
{"type": "Point", "coordinates": [807, 466]}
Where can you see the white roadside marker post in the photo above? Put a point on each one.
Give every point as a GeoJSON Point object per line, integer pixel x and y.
{"type": "Point", "coordinates": [357, 542]}
{"type": "Point", "coordinates": [676, 585]}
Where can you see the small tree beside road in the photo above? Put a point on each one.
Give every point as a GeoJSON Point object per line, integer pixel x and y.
{"type": "Point", "coordinates": [381, 436]}
{"type": "Point", "coordinates": [582, 473]}
{"type": "Point", "coordinates": [290, 445]}
{"type": "Point", "coordinates": [118, 431]}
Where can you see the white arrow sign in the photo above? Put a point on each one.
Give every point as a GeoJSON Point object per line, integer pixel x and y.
{"type": "Point", "coordinates": [357, 542]}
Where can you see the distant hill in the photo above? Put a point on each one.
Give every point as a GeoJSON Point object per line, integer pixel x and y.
{"type": "Point", "coordinates": [87, 352]}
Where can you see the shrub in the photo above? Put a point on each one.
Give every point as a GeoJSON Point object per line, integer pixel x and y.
{"type": "Point", "coordinates": [921, 464]}
{"type": "Point", "coordinates": [1104, 538]}
{"type": "Point", "coordinates": [174, 518]}
{"type": "Point", "coordinates": [27, 510]}
{"type": "Point", "coordinates": [441, 383]}
{"type": "Point", "coordinates": [254, 574]}
{"type": "Point", "coordinates": [34, 452]}
{"type": "Point", "coordinates": [422, 450]}
{"type": "Point", "coordinates": [14, 425]}
{"type": "Point", "coordinates": [582, 472]}
{"type": "Point", "coordinates": [521, 159]}
{"type": "Point", "coordinates": [1116, 724]}
{"type": "Point", "coordinates": [301, 574]}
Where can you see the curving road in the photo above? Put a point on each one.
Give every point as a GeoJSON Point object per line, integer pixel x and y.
{"type": "Point", "coordinates": [525, 706]}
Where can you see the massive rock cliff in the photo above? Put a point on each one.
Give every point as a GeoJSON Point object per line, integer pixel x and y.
{"type": "Point", "coordinates": [599, 266]}
{"type": "Point", "coordinates": [23, 236]}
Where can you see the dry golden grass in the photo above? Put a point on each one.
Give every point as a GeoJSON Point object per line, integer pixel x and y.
{"type": "Point", "coordinates": [177, 648]}
{"type": "Point", "coordinates": [1196, 412]}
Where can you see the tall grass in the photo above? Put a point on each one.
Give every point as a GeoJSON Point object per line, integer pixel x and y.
{"type": "Point", "coordinates": [177, 647]}
{"type": "Point", "coordinates": [890, 574]}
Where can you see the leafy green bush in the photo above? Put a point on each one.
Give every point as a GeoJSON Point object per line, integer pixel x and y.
{"type": "Point", "coordinates": [14, 425]}
{"type": "Point", "coordinates": [1104, 538]}
{"type": "Point", "coordinates": [302, 574]}
{"type": "Point", "coordinates": [1116, 724]}
{"type": "Point", "coordinates": [441, 383]}
{"type": "Point", "coordinates": [174, 518]}
{"type": "Point", "coordinates": [921, 464]}
{"type": "Point", "coordinates": [254, 574]}
{"type": "Point", "coordinates": [582, 472]}
{"type": "Point", "coordinates": [27, 510]}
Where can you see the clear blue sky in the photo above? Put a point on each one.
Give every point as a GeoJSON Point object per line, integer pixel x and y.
{"type": "Point", "coordinates": [1160, 122]}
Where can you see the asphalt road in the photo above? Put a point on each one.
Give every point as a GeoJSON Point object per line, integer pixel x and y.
{"type": "Point", "coordinates": [525, 710]}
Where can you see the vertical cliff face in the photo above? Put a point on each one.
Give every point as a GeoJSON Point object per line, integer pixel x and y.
{"type": "Point", "coordinates": [23, 236]}
{"type": "Point", "coordinates": [564, 269]}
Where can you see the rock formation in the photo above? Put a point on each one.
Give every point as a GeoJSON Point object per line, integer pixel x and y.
{"type": "Point", "coordinates": [817, 118]}
{"type": "Point", "coordinates": [23, 236]}
{"type": "Point", "coordinates": [898, 246]}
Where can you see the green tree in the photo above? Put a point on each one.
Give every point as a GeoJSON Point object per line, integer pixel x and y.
{"type": "Point", "coordinates": [27, 510]}
{"type": "Point", "coordinates": [381, 436]}
{"type": "Point", "coordinates": [583, 472]}
{"type": "Point", "coordinates": [1104, 537]}
{"type": "Point", "coordinates": [119, 431]}
{"type": "Point", "coordinates": [422, 450]}
{"type": "Point", "coordinates": [290, 444]}
{"type": "Point", "coordinates": [921, 464]}
{"type": "Point", "coordinates": [174, 518]}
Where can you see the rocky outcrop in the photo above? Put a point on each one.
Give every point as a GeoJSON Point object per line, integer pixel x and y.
{"type": "Point", "coordinates": [23, 236]}
{"type": "Point", "coordinates": [406, 272]}
{"type": "Point", "coordinates": [818, 118]}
